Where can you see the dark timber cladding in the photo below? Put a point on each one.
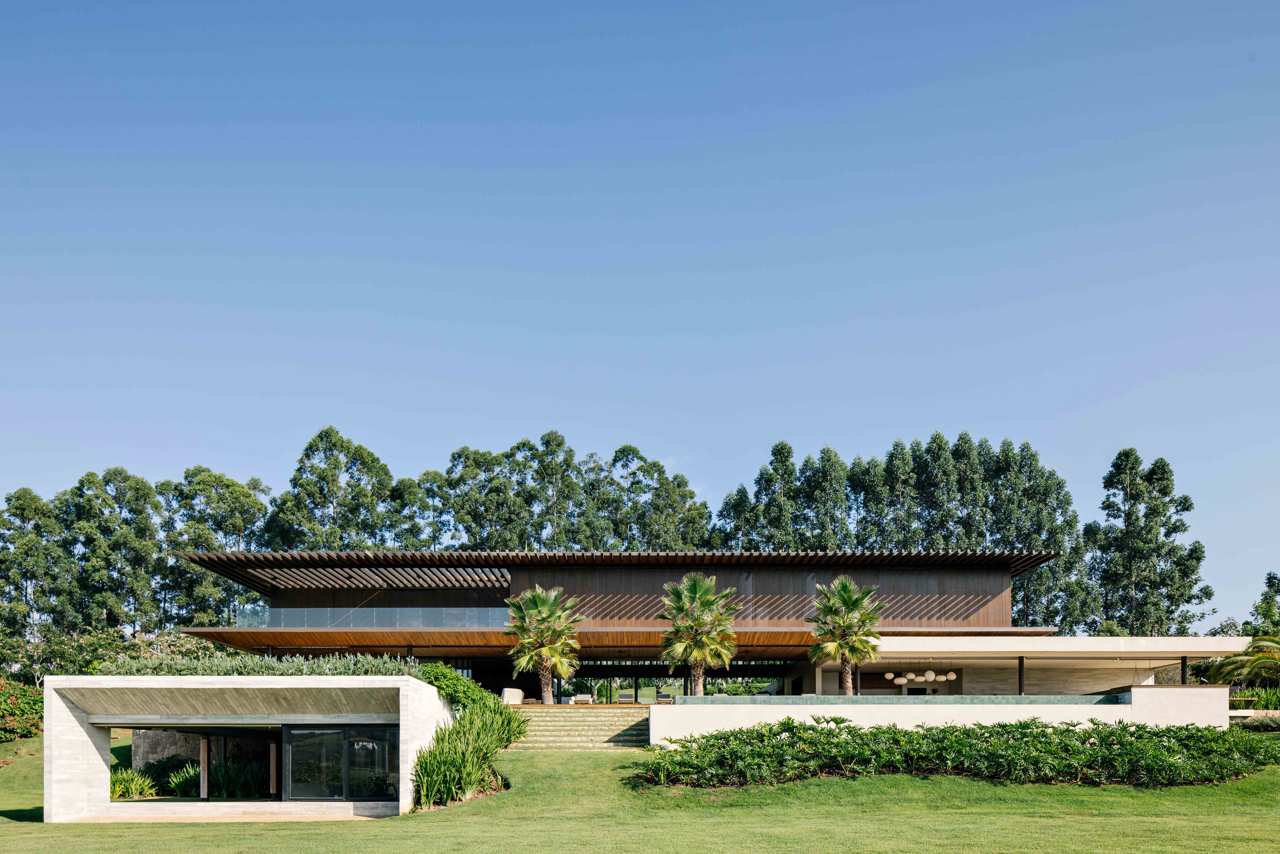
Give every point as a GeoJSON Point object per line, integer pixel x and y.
{"type": "Point", "coordinates": [270, 572]}
{"type": "Point", "coordinates": [619, 595]}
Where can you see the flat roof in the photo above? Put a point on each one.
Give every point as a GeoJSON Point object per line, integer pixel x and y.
{"type": "Point", "coordinates": [754, 642]}
{"type": "Point", "coordinates": [236, 700]}
{"type": "Point", "coordinates": [267, 572]}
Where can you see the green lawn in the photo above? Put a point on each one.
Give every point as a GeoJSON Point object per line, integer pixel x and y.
{"type": "Point", "coordinates": [579, 802]}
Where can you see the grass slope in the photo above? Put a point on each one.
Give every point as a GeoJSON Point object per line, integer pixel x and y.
{"type": "Point", "coordinates": [580, 802]}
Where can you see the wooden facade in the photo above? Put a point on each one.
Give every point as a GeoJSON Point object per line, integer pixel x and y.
{"type": "Point", "coordinates": [779, 597]}
{"type": "Point", "coordinates": [619, 595]}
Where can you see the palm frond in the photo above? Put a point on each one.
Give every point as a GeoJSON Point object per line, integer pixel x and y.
{"type": "Point", "coordinates": [845, 623]}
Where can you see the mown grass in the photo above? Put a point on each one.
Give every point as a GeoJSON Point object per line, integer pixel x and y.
{"type": "Point", "coordinates": [571, 802]}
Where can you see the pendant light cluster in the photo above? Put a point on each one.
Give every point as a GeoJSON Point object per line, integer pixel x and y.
{"type": "Point", "coordinates": [927, 676]}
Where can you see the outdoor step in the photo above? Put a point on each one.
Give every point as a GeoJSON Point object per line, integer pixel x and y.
{"type": "Point", "coordinates": [584, 728]}
{"type": "Point", "coordinates": [607, 740]}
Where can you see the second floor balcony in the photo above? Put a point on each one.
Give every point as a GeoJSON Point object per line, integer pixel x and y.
{"type": "Point", "coordinates": [374, 618]}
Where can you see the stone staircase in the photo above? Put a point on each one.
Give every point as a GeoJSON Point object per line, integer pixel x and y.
{"type": "Point", "coordinates": [584, 727]}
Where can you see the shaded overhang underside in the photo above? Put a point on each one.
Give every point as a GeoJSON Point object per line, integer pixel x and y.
{"type": "Point", "coordinates": [269, 572]}
{"type": "Point", "coordinates": [753, 643]}
{"type": "Point", "coordinates": [121, 701]}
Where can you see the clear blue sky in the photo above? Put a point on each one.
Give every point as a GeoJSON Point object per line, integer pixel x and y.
{"type": "Point", "coordinates": [695, 229]}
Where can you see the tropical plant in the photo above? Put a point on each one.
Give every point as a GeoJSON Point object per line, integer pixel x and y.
{"type": "Point", "coordinates": [160, 770]}
{"type": "Point", "coordinates": [1260, 662]}
{"type": "Point", "coordinates": [544, 627]}
{"type": "Point", "coordinates": [130, 785]}
{"type": "Point", "coordinates": [844, 626]}
{"type": "Point", "coordinates": [237, 780]}
{"type": "Point", "coordinates": [701, 633]}
{"type": "Point", "coordinates": [1256, 698]}
{"type": "Point", "coordinates": [459, 763]}
{"type": "Point", "coordinates": [184, 782]}
{"type": "Point", "coordinates": [1028, 751]}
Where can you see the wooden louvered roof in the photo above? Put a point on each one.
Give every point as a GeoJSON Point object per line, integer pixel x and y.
{"type": "Point", "coordinates": [267, 572]}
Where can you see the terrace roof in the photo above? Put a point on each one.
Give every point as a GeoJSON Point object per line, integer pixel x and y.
{"type": "Point", "coordinates": [267, 572]}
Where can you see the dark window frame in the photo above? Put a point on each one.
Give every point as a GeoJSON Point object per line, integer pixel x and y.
{"type": "Point", "coordinates": [286, 766]}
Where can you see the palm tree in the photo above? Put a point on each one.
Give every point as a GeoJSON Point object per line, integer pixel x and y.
{"type": "Point", "coordinates": [701, 633]}
{"type": "Point", "coordinates": [1260, 662]}
{"type": "Point", "coordinates": [845, 627]}
{"type": "Point", "coordinates": [545, 628]}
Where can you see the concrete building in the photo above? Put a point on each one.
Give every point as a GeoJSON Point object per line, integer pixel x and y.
{"type": "Point", "coordinates": [337, 746]}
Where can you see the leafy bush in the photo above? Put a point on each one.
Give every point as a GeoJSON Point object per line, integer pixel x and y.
{"type": "Point", "coordinates": [1025, 752]}
{"type": "Point", "coordinates": [21, 711]}
{"type": "Point", "coordinates": [459, 762]}
{"type": "Point", "coordinates": [452, 685]}
{"type": "Point", "coordinates": [1262, 724]}
{"type": "Point", "coordinates": [160, 770]}
{"type": "Point", "coordinates": [1262, 698]}
{"type": "Point", "coordinates": [235, 780]}
{"type": "Point", "coordinates": [130, 785]}
{"type": "Point", "coordinates": [184, 782]}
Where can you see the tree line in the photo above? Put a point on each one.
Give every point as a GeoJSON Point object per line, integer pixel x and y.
{"type": "Point", "coordinates": [104, 554]}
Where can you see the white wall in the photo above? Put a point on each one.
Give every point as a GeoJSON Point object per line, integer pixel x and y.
{"type": "Point", "coordinates": [77, 760]}
{"type": "Point", "coordinates": [422, 712]}
{"type": "Point", "coordinates": [1156, 704]}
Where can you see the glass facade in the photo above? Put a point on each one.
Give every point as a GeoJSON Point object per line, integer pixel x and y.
{"type": "Point", "coordinates": [375, 618]}
{"type": "Point", "coordinates": [355, 763]}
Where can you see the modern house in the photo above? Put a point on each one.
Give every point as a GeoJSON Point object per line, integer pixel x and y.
{"type": "Point", "coordinates": [945, 612]}
{"type": "Point", "coordinates": [343, 746]}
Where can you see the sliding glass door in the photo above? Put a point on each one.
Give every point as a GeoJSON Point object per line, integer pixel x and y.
{"type": "Point", "coordinates": [355, 763]}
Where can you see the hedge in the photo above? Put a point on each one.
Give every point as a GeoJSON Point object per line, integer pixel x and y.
{"type": "Point", "coordinates": [459, 763]}
{"type": "Point", "coordinates": [21, 710]}
{"type": "Point", "coordinates": [1025, 752]}
{"type": "Point", "coordinates": [460, 691]}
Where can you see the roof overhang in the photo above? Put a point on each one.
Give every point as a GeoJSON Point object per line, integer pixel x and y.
{"type": "Point", "coordinates": [235, 700]}
{"type": "Point", "coordinates": [267, 572]}
{"type": "Point", "coordinates": [900, 643]}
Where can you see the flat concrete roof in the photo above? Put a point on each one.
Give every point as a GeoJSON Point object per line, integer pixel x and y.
{"type": "Point", "coordinates": [236, 700]}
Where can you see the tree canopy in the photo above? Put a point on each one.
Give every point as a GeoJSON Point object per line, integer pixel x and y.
{"type": "Point", "coordinates": [104, 554]}
{"type": "Point", "coordinates": [1147, 579]}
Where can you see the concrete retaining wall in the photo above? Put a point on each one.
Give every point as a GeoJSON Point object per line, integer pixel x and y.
{"type": "Point", "coordinates": [1159, 705]}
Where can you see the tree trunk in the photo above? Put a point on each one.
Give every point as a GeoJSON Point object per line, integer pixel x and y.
{"type": "Point", "coordinates": [544, 676]}
{"type": "Point", "coordinates": [697, 671]}
{"type": "Point", "coordinates": [846, 678]}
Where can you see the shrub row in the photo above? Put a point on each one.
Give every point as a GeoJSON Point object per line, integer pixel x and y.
{"type": "Point", "coordinates": [1025, 752]}
{"type": "Point", "coordinates": [21, 711]}
{"type": "Point", "coordinates": [1270, 723]}
{"type": "Point", "coordinates": [460, 691]}
{"type": "Point", "coordinates": [1256, 698]}
{"type": "Point", "coordinates": [130, 785]}
{"type": "Point", "coordinates": [459, 763]}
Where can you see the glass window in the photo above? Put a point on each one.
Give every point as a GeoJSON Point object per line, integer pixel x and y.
{"type": "Point", "coordinates": [343, 763]}
{"type": "Point", "coordinates": [373, 763]}
{"type": "Point", "coordinates": [315, 763]}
